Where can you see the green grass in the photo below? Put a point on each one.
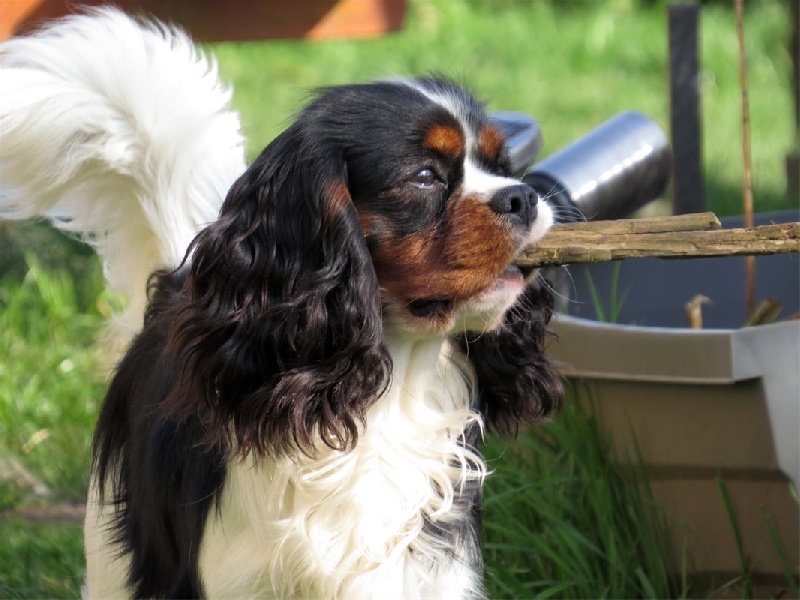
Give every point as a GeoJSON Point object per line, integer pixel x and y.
{"type": "Point", "coordinates": [607, 312]}
{"type": "Point", "coordinates": [52, 382]}
{"type": "Point", "coordinates": [40, 560]}
{"type": "Point", "coordinates": [562, 519]}
{"type": "Point", "coordinates": [571, 65]}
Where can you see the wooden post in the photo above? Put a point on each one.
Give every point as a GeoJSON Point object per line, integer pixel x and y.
{"type": "Point", "coordinates": [747, 169]}
{"type": "Point", "coordinates": [688, 193]}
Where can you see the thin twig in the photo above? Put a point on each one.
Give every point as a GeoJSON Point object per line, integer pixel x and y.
{"type": "Point", "coordinates": [747, 184]}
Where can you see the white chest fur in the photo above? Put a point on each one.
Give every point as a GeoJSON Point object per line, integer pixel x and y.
{"type": "Point", "coordinates": [352, 525]}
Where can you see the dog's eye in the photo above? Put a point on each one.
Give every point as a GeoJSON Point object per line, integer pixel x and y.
{"type": "Point", "coordinates": [425, 178]}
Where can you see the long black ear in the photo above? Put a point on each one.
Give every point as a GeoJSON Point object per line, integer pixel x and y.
{"type": "Point", "coordinates": [280, 340]}
{"type": "Point", "coordinates": [517, 382]}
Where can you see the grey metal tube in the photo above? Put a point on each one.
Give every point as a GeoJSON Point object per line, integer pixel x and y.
{"type": "Point", "coordinates": [610, 172]}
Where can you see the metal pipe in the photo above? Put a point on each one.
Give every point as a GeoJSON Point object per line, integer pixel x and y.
{"type": "Point", "coordinates": [609, 173]}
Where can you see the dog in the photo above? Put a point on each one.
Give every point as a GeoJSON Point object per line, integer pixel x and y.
{"type": "Point", "coordinates": [317, 340]}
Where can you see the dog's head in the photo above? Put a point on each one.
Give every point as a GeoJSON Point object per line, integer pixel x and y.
{"type": "Point", "coordinates": [387, 206]}
{"type": "Point", "coordinates": [442, 217]}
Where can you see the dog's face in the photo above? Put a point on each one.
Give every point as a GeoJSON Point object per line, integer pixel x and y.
{"type": "Point", "coordinates": [443, 219]}
{"type": "Point", "coordinates": [417, 167]}
{"type": "Point", "coordinates": [386, 207]}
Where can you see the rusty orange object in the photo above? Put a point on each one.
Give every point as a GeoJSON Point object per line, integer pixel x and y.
{"type": "Point", "coordinates": [230, 20]}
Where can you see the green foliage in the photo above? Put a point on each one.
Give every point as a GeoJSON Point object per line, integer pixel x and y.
{"type": "Point", "coordinates": [52, 381]}
{"type": "Point", "coordinates": [562, 519]}
{"type": "Point", "coordinates": [745, 563]}
{"type": "Point", "coordinates": [607, 313]}
{"type": "Point", "coordinates": [777, 543]}
{"type": "Point", "coordinates": [572, 65]}
{"type": "Point", "coordinates": [40, 560]}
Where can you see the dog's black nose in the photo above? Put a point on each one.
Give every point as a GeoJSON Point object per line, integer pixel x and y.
{"type": "Point", "coordinates": [517, 202]}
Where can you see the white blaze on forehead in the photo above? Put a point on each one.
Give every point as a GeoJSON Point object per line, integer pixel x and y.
{"type": "Point", "coordinates": [480, 183]}
{"type": "Point", "coordinates": [451, 102]}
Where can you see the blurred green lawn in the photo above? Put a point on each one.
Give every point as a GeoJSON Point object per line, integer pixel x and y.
{"type": "Point", "coordinates": [570, 64]}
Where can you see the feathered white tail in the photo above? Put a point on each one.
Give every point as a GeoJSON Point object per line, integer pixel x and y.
{"type": "Point", "coordinates": [120, 132]}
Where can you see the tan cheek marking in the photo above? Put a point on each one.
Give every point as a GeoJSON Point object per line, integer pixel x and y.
{"type": "Point", "coordinates": [478, 243]}
{"type": "Point", "coordinates": [490, 143]}
{"type": "Point", "coordinates": [445, 140]}
{"type": "Point", "coordinates": [406, 266]}
{"type": "Point", "coordinates": [456, 263]}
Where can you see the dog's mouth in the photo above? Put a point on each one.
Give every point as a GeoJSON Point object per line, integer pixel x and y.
{"type": "Point", "coordinates": [438, 307]}
{"type": "Point", "coordinates": [429, 307]}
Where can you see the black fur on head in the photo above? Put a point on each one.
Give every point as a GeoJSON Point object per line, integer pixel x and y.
{"type": "Point", "coordinates": [280, 338]}
{"type": "Point", "coordinates": [517, 382]}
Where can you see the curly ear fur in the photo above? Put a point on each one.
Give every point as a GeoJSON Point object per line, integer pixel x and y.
{"type": "Point", "coordinates": [281, 334]}
{"type": "Point", "coordinates": [517, 383]}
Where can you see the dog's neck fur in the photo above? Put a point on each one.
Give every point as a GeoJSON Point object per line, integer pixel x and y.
{"type": "Point", "coordinates": [360, 521]}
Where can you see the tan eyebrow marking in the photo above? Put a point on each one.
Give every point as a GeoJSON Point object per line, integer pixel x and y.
{"type": "Point", "coordinates": [446, 140]}
{"type": "Point", "coordinates": [490, 143]}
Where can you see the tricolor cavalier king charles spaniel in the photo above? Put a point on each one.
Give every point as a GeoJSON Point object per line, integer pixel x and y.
{"type": "Point", "coordinates": [317, 340]}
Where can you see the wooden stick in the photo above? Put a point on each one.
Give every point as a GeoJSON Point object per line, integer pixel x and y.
{"type": "Point", "coordinates": [747, 171]}
{"type": "Point", "coordinates": [688, 222]}
{"type": "Point", "coordinates": [668, 237]}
